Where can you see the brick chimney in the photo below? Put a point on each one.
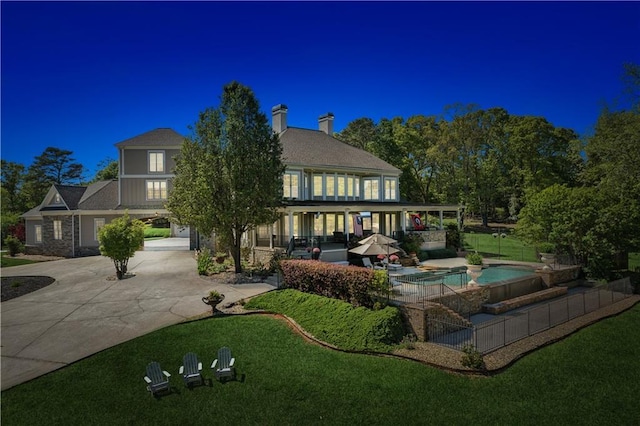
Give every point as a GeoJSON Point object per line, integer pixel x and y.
{"type": "Point", "coordinates": [279, 116]}
{"type": "Point", "coordinates": [325, 123]}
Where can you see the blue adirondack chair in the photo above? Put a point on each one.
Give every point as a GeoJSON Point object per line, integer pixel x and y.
{"type": "Point", "coordinates": [191, 369]}
{"type": "Point", "coordinates": [157, 379]}
{"type": "Point", "coordinates": [223, 366]}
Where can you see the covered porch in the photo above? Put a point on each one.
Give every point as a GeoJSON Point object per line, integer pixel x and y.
{"type": "Point", "coordinates": [301, 228]}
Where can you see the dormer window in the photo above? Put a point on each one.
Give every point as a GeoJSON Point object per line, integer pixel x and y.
{"type": "Point", "coordinates": [156, 161]}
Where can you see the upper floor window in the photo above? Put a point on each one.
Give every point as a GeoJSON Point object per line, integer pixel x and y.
{"type": "Point", "coordinates": [291, 185]}
{"type": "Point", "coordinates": [317, 185]}
{"type": "Point", "coordinates": [156, 161]}
{"type": "Point", "coordinates": [371, 189]}
{"type": "Point", "coordinates": [331, 186]}
{"type": "Point", "coordinates": [57, 199]}
{"type": "Point", "coordinates": [342, 186]}
{"type": "Point", "coordinates": [57, 229]}
{"type": "Point", "coordinates": [390, 188]}
{"type": "Point", "coordinates": [156, 190]}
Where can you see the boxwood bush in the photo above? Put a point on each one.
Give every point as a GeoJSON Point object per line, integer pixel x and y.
{"type": "Point", "coordinates": [334, 321]}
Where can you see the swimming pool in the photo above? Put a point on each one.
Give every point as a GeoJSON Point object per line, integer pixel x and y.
{"type": "Point", "coordinates": [489, 275]}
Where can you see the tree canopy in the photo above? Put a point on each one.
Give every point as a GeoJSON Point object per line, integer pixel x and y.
{"type": "Point", "coordinates": [119, 241]}
{"type": "Point", "coordinates": [228, 176]}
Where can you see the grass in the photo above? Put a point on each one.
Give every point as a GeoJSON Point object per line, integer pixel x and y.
{"type": "Point", "coordinates": [7, 261]}
{"type": "Point", "coordinates": [634, 261]}
{"type": "Point", "coordinates": [150, 232]}
{"type": "Point", "coordinates": [589, 378]}
{"type": "Point", "coordinates": [507, 248]}
{"type": "Point", "coordinates": [334, 321]}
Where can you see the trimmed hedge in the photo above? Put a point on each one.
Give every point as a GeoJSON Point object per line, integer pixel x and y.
{"type": "Point", "coordinates": [334, 321]}
{"type": "Point", "coordinates": [348, 283]}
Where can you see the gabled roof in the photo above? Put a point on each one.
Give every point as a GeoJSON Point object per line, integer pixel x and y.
{"type": "Point", "coordinates": [101, 195]}
{"type": "Point", "coordinates": [70, 195]}
{"type": "Point", "coordinates": [316, 149]}
{"type": "Point", "coordinates": [159, 137]}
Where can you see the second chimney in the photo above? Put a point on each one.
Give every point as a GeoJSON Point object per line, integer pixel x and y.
{"type": "Point", "coordinates": [279, 118]}
{"type": "Point", "coordinates": [325, 123]}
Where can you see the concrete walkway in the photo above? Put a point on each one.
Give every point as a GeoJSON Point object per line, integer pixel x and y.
{"type": "Point", "coordinates": [87, 310]}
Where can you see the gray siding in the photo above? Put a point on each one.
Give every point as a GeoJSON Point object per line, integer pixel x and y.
{"type": "Point", "coordinates": [87, 229]}
{"type": "Point", "coordinates": [135, 160]}
{"type": "Point", "coordinates": [30, 229]}
{"type": "Point", "coordinates": [134, 193]}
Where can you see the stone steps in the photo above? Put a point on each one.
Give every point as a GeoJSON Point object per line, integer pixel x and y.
{"type": "Point", "coordinates": [527, 299]}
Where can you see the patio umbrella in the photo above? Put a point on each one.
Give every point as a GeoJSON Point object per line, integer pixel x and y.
{"type": "Point", "coordinates": [372, 249]}
{"type": "Point", "coordinates": [377, 239]}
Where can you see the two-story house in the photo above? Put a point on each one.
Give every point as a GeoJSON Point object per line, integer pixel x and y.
{"type": "Point", "coordinates": [333, 190]}
{"type": "Point", "coordinates": [67, 221]}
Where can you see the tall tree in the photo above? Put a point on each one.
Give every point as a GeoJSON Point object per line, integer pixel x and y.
{"type": "Point", "coordinates": [360, 133]}
{"type": "Point", "coordinates": [108, 170]}
{"type": "Point", "coordinates": [53, 166]}
{"type": "Point", "coordinates": [12, 180]}
{"type": "Point", "coordinates": [228, 176]}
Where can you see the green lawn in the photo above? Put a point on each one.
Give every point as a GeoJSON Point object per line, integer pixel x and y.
{"type": "Point", "coordinates": [507, 248]}
{"type": "Point", "coordinates": [156, 233]}
{"type": "Point", "coordinates": [6, 261]}
{"type": "Point", "coordinates": [634, 261]}
{"type": "Point", "coordinates": [589, 378]}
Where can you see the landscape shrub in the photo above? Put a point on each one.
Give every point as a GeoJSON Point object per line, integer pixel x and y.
{"type": "Point", "coordinates": [204, 261]}
{"type": "Point", "coordinates": [442, 253]}
{"type": "Point", "coordinates": [348, 283]}
{"type": "Point", "coordinates": [334, 321]}
{"type": "Point", "coordinates": [13, 244]}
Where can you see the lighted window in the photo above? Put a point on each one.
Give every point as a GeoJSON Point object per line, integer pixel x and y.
{"type": "Point", "coordinates": [156, 162]}
{"type": "Point", "coordinates": [342, 186]}
{"type": "Point", "coordinates": [317, 185]}
{"type": "Point", "coordinates": [38, 231]}
{"type": "Point", "coordinates": [291, 185]}
{"type": "Point", "coordinates": [390, 189]}
{"type": "Point", "coordinates": [156, 190]}
{"type": "Point", "coordinates": [331, 186]}
{"type": "Point", "coordinates": [331, 223]}
{"type": "Point", "coordinates": [291, 232]}
{"type": "Point", "coordinates": [318, 224]}
{"type": "Point", "coordinates": [98, 224]}
{"type": "Point", "coordinates": [57, 229]}
{"type": "Point", "coordinates": [371, 190]}
{"type": "Point", "coordinates": [57, 199]}
{"type": "Point", "coordinates": [350, 186]}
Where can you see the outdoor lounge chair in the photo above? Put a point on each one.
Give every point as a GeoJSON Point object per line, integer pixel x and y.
{"type": "Point", "coordinates": [367, 264]}
{"type": "Point", "coordinates": [157, 379]}
{"type": "Point", "coordinates": [191, 369]}
{"type": "Point", "coordinates": [223, 365]}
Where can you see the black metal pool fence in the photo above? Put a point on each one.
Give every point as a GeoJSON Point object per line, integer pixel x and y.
{"type": "Point", "coordinates": [494, 334]}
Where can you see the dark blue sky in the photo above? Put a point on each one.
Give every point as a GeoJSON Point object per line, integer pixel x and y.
{"type": "Point", "coordinates": [83, 76]}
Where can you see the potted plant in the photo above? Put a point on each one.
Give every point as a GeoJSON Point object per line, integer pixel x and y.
{"type": "Point", "coordinates": [316, 253]}
{"type": "Point", "coordinates": [213, 299]}
{"type": "Point", "coordinates": [474, 267]}
{"type": "Point", "coordinates": [547, 254]}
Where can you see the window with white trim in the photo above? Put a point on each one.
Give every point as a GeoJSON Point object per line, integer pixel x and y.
{"type": "Point", "coordinates": [57, 199]}
{"type": "Point", "coordinates": [156, 190]}
{"type": "Point", "coordinates": [156, 161]}
{"type": "Point", "coordinates": [317, 185]}
{"type": "Point", "coordinates": [342, 186]}
{"type": "Point", "coordinates": [98, 224]}
{"type": "Point", "coordinates": [38, 232]}
{"type": "Point", "coordinates": [57, 229]}
{"type": "Point", "coordinates": [291, 185]}
{"type": "Point", "coordinates": [331, 186]}
{"type": "Point", "coordinates": [371, 189]}
{"type": "Point", "coordinates": [390, 189]}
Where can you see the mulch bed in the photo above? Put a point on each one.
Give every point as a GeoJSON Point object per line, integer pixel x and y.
{"type": "Point", "coordinates": [13, 287]}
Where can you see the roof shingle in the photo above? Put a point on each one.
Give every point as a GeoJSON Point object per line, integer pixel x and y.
{"type": "Point", "coordinates": [159, 137]}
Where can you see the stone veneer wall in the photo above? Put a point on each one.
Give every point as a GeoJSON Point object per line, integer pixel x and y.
{"type": "Point", "coordinates": [65, 246]}
{"type": "Point", "coordinates": [558, 276]}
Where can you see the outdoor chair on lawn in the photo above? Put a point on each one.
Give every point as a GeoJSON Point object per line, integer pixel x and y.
{"type": "Point", "coordinates": [223, 365]}
{"type": "Point", "coordinates": [191, 369]}
{"type": "Point", "coordinates": [157, 379]}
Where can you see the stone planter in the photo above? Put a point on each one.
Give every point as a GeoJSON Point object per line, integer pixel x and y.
{"type": "Point", "coordinates": [213, 303]}
{"type": "Point", "coordinates": [548, 259]}
{"type": "Point", "coordinates": [474, 271]}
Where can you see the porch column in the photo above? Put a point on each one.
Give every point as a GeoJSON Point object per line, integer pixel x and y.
{"type": "Point", "coordinates": [403, 213]}
{"type": "Point", "coordinates": [441, 220]}
{"type": "Point", "coordinates": [290, 227]}
{"type": "Point", "coordinates": [346, 223]}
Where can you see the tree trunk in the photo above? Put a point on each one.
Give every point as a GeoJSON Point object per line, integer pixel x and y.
{"type": "Point", "coordinates": [237, 241]}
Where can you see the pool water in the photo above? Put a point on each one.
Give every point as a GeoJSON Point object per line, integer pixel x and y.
{"type": "Point", "coordinates": [489, 275]}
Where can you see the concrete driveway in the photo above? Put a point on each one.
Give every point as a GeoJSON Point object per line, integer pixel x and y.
{"type": "Point", "coordinates": [87, 310]}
